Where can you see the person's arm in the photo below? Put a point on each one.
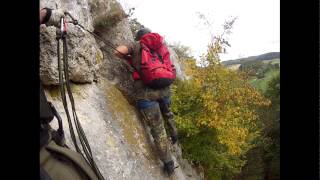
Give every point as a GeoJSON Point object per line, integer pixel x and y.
{"type": "Point", "coordinates": [122, 51]}
{"type": "Point", "coordinates": [51, 17]}
{"type": "Point", "coordinates": [45, 14]}
{"type": "Point", "coordinates": [125, 50]}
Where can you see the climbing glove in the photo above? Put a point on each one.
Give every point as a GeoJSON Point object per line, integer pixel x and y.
{"type": "Point", "coordinates": [56, 15]}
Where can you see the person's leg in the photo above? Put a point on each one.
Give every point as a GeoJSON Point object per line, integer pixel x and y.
{"type": "Point", "coordinates": [168, 116]}
{"type": "Point", "coordinates": [152, 115]}
{"type": "Point", "coordinates": [149, 108]}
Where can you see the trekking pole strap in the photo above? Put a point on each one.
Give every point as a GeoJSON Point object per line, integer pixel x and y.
{"type": "Point", "coordinates": [62, 92]}
{"type": "Point", "coordinates": [64, 80]}
{"type": "Point", "coordinates": [82, 138]}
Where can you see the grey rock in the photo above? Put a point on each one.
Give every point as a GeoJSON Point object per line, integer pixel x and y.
{"type": "Point", "coordinates": [102, 91]}
{"type": "Point", "coordinates": [179, 68]}
{"type": "Point", "coordinates": [83, 51]}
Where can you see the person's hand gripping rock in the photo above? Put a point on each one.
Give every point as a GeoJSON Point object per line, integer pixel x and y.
{"type": "Point", "coordinates": [54, 16]}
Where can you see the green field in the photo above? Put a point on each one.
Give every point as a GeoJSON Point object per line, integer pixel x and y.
{"type": "Point", "coordinates": [273, 61]}
{"type": "Point", "coordinates": [261, 84]}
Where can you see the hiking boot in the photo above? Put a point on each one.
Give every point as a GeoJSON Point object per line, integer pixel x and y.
{"type": "Point", "coordinates": [169, 167]}
{"type": "Point", "coordinates": [174, 138]}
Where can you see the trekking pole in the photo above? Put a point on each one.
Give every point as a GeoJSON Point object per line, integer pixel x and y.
{"type": "Point", "coordinates": [61, 35]}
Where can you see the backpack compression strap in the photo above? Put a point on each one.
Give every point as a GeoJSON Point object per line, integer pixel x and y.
{"type": "Point", "coordinates": [145, 47]}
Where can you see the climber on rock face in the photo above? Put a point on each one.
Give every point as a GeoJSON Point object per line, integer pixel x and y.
{"type": "Point", "coordinates": [153, 74]}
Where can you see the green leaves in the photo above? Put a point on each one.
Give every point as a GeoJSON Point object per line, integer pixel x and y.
{"type": "Point", "coordinates": [220, 101]}
{"type": "Point", "coordinates": [216, 113]}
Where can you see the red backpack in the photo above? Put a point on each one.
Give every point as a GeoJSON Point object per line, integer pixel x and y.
{"type": "Point", "coordinates": [156, 68]}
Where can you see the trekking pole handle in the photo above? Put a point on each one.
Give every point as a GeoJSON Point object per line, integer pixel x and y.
{"type": "Point", "coordinates": [63, 26]}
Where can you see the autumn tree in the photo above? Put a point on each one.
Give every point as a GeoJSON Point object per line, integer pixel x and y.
{"type": "Point", "coordinates": [216, 112]}
{"type": "Point", "coordinates": [183, 52]}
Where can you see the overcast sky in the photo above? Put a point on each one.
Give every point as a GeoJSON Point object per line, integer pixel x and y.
{"type": "Point", "coordinates": [256, 31]}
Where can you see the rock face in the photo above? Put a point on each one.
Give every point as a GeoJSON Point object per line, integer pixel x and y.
{"type": "Point", "coordinates": [102, 88]}
{"type": "Point", "coordinates": [179, 68]}
{"type": "Point", "coordinates": [83, 52]}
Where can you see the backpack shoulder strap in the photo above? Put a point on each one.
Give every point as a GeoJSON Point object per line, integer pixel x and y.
{"type": "Point", "coordinates": [45, 110]}
{"type": "Point", "coordinates": [73, 156]}
{"type": "Point", "coordinates": [44, 175]}
{"type": "Point", "coordinates": [53, 149]}
{"type": "Point", "coordinates": [144, 47]}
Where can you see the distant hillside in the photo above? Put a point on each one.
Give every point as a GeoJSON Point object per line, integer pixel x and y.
{"type": "Point", "coordinates": [262, 57]}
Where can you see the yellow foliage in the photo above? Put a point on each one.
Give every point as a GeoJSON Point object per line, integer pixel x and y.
{"type": "Point", "coordinates": [229, 104]}
{"type": "Point", "coordinates": [220, 100]}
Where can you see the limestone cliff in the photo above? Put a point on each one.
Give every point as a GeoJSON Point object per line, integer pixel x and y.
{"type": "Point", "coordinates": [102, 87]}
